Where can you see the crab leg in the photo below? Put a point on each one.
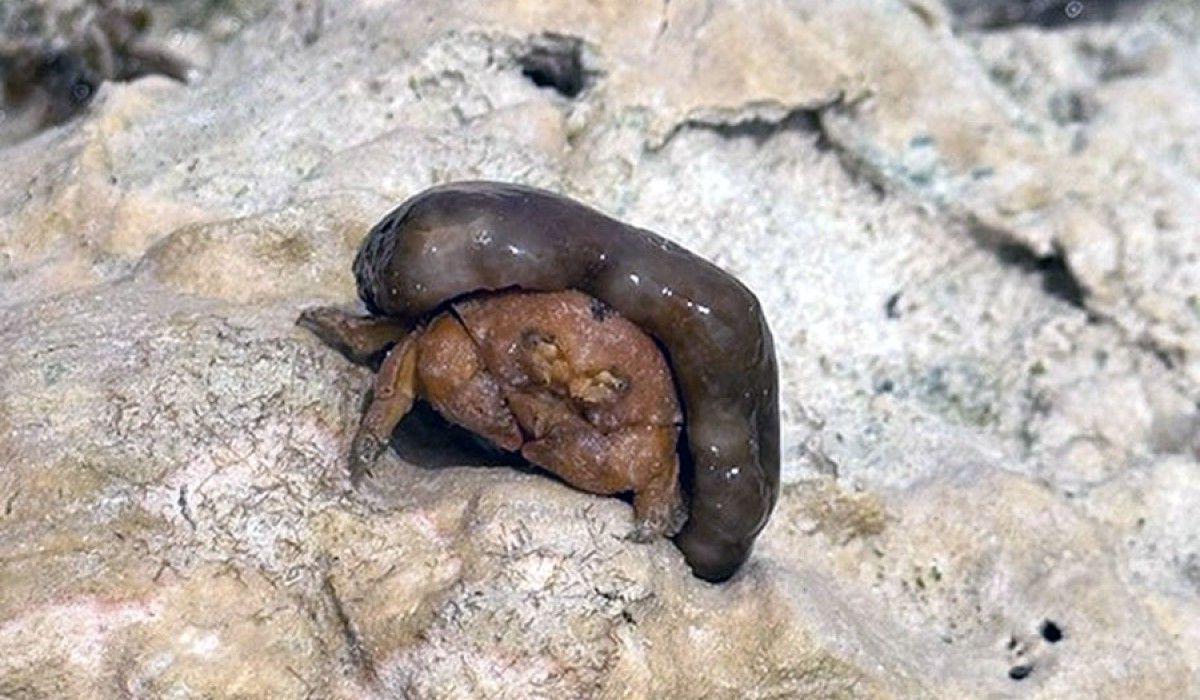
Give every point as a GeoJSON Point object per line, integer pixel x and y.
{"type": "Point", "coordinates": [395, 390]}
{"type": "Point", "coordinates": [361, 339]}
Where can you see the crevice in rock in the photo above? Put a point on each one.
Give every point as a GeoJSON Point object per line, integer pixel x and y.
{"type": "Point", "coordinates": [760, 129]}
{"type": "Point", "coordinates": [354, 644]}
{"type": "Point", "coordinates": [1051, 632]}
{"type": "Point", "coordinates": [8, 503]}
{"type": "Point", "coordinates": [184, 509]}
{"type": "Point", "coordinates": [761, 122]}
{"type": "Point", "coordinates": [891, 307]}
{"type": "Point", "coordinates": [1053, 270]}
{"type": "Point", "coordinates": [756, 122]}
{"type": "Point", "coordinates": [556, 61]}
{"type": "Point", "coordinates": [1169, 357]}
{"type": "Point", "coordinates": [1056, 277]}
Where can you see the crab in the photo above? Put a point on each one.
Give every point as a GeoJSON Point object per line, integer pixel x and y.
{"type": "Point", "coordinates": [559, 377]}
{"type": "Point", "coordinates": [56, 58]}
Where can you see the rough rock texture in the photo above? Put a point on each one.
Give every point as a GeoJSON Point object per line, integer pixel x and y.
{"type": "Point", "coordinates": [977, 250]}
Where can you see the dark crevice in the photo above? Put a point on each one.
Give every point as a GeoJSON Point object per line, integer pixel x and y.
{"type": "Point", "coordinates": [1053, 270]}
{"type": "Point", "coordinates": [757, 127]}
{"type": "Point", "coordinates": [1057, 279]}
{"type": "Point", "coordinates": [1169, 357]}
{"type": "Point", "coordinates": [1060, 282]}
{"type": "Point", "coordinates": [1051, 632]}
{"type": "Point", "coordinates": [184, 509]}
{"type": "Point", "coordinates": [761, 129]}
{"type": "Point", "coordinates": [354, 644]}
{"type": "Point", "coordinates": [556, 61]}
{"type": "Point", "coordinates": [891, 307]}
{"type": "Point", "coordinates": [808, 119]}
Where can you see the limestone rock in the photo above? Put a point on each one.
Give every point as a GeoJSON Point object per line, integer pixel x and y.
{"type": "Point", "coordinates": [974, 248]}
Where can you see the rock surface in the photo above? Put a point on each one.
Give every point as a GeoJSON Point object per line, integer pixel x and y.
{"type": "Point", "coordinates": [976, 248]}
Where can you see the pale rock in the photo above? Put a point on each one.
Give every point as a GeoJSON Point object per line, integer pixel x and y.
{"type": "Point", "coordinates": [974, 249]}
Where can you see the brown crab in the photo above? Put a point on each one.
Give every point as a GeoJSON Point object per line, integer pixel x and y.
{"type": "Point", "coordinates": [558, 376]}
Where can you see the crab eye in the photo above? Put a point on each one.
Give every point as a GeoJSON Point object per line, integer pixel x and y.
{"type": "Point", "coordinates": [81, 91]}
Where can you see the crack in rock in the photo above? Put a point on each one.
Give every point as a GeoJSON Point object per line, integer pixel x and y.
{"type": "Point", "coordinates": [354, 643]}
{"type": "Point", "coordinates": [758, 121]}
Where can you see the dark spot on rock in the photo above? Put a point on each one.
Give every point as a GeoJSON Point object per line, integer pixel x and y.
{"type": "Point", "coordinates": [556, 62]}
{"type": "Point", "coordinates": [891, 308]}
{"type": "Point", "coordinates": [1051, 632]}
{"type": "Point", "coordinates": [1020, 672]}
{"type": "Point", "coordinates": [1072, 107]}
{"type": "Point", "coordinates": [886, 386]}
{"type": "Point", "coordinates": [1057, 279]}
